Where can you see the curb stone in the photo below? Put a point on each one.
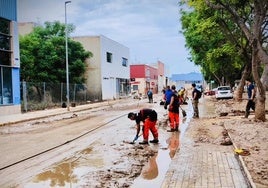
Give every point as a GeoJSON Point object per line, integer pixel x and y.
{"type": "Point", "coordinates": [242, 164]}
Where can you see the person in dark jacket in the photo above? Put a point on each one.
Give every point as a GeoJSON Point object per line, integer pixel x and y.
{"type": "Point", "coordinates": [173, 110]}
{"type": "Point", "coordinates": [149, 119]}
{"type": "Point", "coordinates": [251, 96]}
{"type": "Point", "coordinates": [150, 96]}
{"type": "Point", "coordinates": [195, 101]}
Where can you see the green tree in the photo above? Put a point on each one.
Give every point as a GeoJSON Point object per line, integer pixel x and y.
{"type": "Point", "coordinates": [244, 25]}
{"type": "Point", "coordinates": [209, 46]}
{"type": "Point", "coordinates": [252, 18]}
{"type": "Point", "coordinates": [43, 55]}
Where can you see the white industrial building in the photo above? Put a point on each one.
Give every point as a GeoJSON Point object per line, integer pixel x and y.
{"type": "Point", "coordinates": [108, 71]}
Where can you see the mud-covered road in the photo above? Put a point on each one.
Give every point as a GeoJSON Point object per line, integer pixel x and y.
{"type": "Point", "coordinates": [90, 148]}
{"type": "Point", "coordinates": [87, 149]}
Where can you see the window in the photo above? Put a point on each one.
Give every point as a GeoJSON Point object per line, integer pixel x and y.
{"type": "Point", "coordinates": [135, 87]}
{"type": "Point", "coordinates": [4, 26]}
{"type": "Point", "coordinates": [124, 62]}
{"type": "Point", "coordinates": [147, 73]}
{"type": "Point", "coordinates": [6, 85]}
{"type": "Point", "coordinates": [109, 57]}
{"type": "Point", "coordinates": [5, 63]}
{"type": "Point", "coordinates": [5, 58]}
{"type": "Point", "coordinates": [5, 42]}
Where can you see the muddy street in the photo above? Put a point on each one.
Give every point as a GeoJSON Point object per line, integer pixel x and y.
{"type": "Point", "coordinates": [90, 148]}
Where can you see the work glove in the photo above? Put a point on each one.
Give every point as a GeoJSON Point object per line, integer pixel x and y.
{"type": "Point", "coordinates": [165, 106]}
{"type": "Point", "coordinates": [136, 137]}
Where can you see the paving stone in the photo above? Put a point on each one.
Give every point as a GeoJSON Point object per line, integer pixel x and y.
{"type": "Point", "coordinates": [202, 168]}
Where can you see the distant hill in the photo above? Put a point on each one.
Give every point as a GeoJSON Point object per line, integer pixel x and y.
{"type": "Point", "coordinates": [190, 77]}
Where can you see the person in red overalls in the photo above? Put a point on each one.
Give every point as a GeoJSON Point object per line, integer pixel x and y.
{"type": "Point", "coordinates": [149, 119]}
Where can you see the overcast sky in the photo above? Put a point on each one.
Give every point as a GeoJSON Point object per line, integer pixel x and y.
{"type": "Point", "coordinates": [149, 28]}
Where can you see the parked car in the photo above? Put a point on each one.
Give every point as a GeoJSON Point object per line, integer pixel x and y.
{"type": "Point", "coordinates": [224, 92]}
{"type": "Point", "coordinates": [210, 92]}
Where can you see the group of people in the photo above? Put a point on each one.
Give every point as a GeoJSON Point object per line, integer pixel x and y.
{"type": "Point", "coordinates": [148, 117]}
{"type": "Point", "coordinates": [172, 102]}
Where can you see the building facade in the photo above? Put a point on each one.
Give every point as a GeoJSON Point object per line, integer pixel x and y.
{"type": "Point", "coordinates": [26, 28]}
{"type": "Point", "coordinates": [108, 70]}
{"type": "Point", "coordinates": [142, 78]}
{"type": "Point", "coordinates": [162, 78]}
{"type": "Point", "coordinates": [9, 59]}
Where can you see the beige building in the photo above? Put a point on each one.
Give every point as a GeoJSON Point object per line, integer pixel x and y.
{"type": "Point", "coordinates": [26, 27]}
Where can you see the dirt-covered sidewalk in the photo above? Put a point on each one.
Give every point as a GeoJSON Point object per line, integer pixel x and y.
{"type": "Point", "coordinates": [230, 127]}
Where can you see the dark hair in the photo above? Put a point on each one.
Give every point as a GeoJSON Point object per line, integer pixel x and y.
{"type": "Point", "coordinates": [193, 85]}
{"type": "Point", "coordinates": [173, 87]}
{"type": "Point", "coordinates": [130, 114]}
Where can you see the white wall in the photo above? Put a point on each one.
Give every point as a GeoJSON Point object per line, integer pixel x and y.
{"type": "Point", "coordinates": [111, 71]}
{"type": "Point", "coordinates": [101, 75]}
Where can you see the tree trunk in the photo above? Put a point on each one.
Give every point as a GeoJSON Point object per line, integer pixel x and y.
{"type": "Point", "coordinates": [264, 77]}
{"type": "Point", "coordinates": [240, 88]}
{"type": "Point", "coordinates": [260, 98]}
{"type": "Point", "coordinates": [217, 78]}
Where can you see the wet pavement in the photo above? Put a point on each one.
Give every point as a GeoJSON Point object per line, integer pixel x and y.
{"type": "Point", "coordinates": [175, 164]}
{"type": "Point", "coordinates": [199, 167]}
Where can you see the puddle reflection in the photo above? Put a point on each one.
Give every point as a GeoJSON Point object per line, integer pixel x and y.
{"type": "Point", "coordinates": [150, 170]}
{"type": "Point", "coordinates": [69, 172]}
{"type": "Point", "coordinates": [173, 143]}
{"type": "Point", "coordinates": [59, 176]}
{"type": "Point", "coordinates": [154, 171]}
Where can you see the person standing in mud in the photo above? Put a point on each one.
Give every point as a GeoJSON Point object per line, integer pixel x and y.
{"type": "Point", "coordinates": [251, 96]}
{"type": "Point", "coordinates": [173, 110]}
{"type": "Point", "coordinates": [168, 95]}
{"type": "Point", "coordinates": [195, 101]}
{"type": "Point", "coordinates": [150, 96]}
{"type": "Point", "coordinates": [149, 119]}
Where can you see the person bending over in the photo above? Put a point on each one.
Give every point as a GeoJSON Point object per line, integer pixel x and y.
{"type": "Point", "coordinates": [149, 118]}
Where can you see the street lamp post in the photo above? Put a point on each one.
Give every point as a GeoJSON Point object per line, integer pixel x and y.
{"type": "Point", "coordinates": [67, 64]}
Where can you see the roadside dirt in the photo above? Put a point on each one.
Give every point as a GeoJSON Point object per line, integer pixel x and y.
{"type": "Point", "coordinates": [245, 134]}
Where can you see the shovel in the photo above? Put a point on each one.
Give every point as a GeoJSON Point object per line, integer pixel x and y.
{"type": "Point", "coordinates": [183, 112]}
{"type": "Point", "coordinates": [133, 142]}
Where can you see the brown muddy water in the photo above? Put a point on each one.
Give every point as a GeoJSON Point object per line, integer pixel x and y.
{"type": "Point", "coordinates": [105, 154]}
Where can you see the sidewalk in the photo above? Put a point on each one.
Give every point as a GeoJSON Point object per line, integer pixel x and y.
{"type": "Point", "coordinates": [203, 167]}
{"type": "Point", "coordinates": [200, 168]}
{"type": "Point", "coordinates": [17, 118]}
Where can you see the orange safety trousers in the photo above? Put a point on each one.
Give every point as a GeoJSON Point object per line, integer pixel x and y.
{"type": "Point", "coordinates": [174, 119]}
{"type": "Point", "coordinates": [149, 125]}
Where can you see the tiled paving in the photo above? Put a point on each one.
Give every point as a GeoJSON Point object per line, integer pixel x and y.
{"type": "Point", "coordinates": [201, 168]}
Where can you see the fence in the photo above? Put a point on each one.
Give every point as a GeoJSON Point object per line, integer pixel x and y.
{"type": "Point", "coordinates": [39, 96]}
